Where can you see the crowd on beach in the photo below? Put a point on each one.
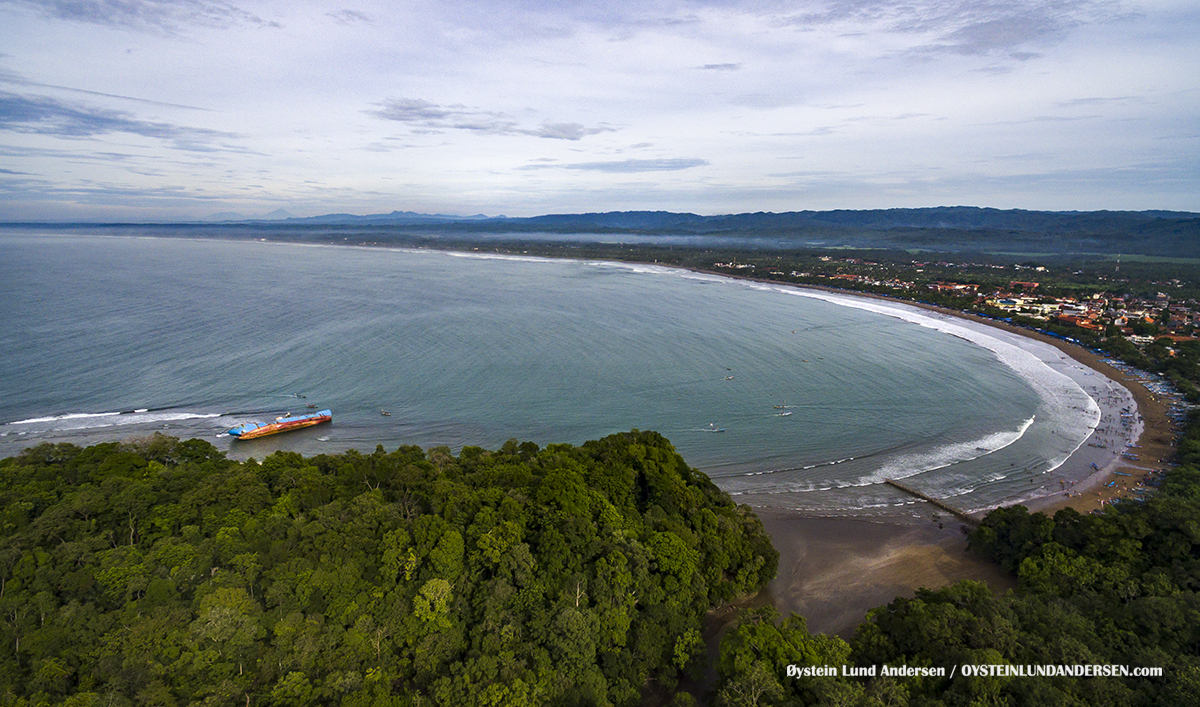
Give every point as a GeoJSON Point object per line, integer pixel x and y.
{"type": "Point", "coordinates": [1123, 459]}
{"type": "Point", "coordinates": [1140, 459]}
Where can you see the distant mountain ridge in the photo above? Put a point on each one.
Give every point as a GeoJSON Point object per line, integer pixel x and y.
{"type": "Point", "coordinates": [941, 217]}
{"type": "Point", "coordinates": [395, 217]}
{"type": "Point", "coordinates": [962, 229]}
{"type": "Point", "coordinates": [968, 217]}
{"type": "Point", "coordinates": [276, 215]}
{"type": "Point", "coordinates": [945, 228]}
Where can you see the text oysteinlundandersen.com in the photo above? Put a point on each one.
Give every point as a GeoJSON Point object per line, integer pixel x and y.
{"type": "Point", "coordinates": [1081, 671]}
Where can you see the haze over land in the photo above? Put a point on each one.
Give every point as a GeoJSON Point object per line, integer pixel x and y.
{"type": "Point", "coordinates": [161, 110]}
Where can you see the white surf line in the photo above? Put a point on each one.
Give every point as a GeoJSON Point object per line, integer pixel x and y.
{"type": "Point", "coordinates": [1028, 358]}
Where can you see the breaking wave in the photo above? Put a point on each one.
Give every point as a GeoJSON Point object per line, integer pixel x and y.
{"type": "Point", "coordinates": [83, 421]}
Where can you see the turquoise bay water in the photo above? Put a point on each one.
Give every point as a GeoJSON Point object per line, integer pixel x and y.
{"type": "Point", "coordinates": [817, 401]}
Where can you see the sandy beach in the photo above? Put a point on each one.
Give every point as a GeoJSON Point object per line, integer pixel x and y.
{"type": "Point", "coordinates": [1133, 422]}
{"type": "Point", "coordinates": [833, 570]}
{"type": "Point", "coordinates": [1152, 440]}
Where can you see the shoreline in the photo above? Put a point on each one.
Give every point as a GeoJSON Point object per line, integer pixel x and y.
{"type": "Point", "coordinates": [1150, 436]}
{"type": "Point", "coordinates": [833, 570]}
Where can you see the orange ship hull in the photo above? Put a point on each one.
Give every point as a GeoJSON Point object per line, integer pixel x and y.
{"type": "Point", "coordinates": [252, 430]}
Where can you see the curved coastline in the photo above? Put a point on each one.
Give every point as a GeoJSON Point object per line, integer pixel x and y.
{"type": "Point", "coordinates": [1086, 396]}
{"type": "Point", "coordinates": [1076, 413]}
{"type": "Point", "coordinates": [833, 571]}
{"type": "Point", "coordinates": [1083, 368]}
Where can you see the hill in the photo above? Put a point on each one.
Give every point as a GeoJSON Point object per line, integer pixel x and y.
{"type": "Point", "coordinates": [951, 229]}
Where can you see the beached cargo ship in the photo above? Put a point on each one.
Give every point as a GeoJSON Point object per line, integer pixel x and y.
{"type": "Point", "coordinates": [286, 423]}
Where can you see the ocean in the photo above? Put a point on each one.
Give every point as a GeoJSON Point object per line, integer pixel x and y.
{"type": "Point", "coordinates": [787, 398]}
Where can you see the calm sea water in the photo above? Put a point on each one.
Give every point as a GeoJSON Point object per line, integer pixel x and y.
{"type": "Point", "coordinates": [817, 402]}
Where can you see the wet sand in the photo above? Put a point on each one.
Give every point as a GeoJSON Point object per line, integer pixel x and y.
{"type": "Point", "coordinates": [833, 570]}
{"type": "Point", "coordinates": [1155, 445]}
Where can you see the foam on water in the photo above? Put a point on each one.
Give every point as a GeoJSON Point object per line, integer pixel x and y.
{"type": "Point", "coordinates": [1056, 389]}
{"type": "Point", "coordinates": [77, 422]}
{"type": "Point", "coordinates": [498, 256]}
{"type": "Point", "coordinates": [910, 465]}
{"type": "Point", "coordinates": [1066, 415]}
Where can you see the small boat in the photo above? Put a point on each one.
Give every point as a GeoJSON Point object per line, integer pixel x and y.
{"type": "Point", "coordinates": [283, 423]}
{"type": "Point", "coordinates": [712, 427]}
{"type": "Point", "coordinates": [783, 414]}
{"type": "Point", "coordinates": [385, 413]}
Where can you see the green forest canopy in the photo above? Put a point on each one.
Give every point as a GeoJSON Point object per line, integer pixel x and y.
{"type": "Point", "coordinates": [160, 572]}
{"type": "Point", "coordinates": [1115, 589]}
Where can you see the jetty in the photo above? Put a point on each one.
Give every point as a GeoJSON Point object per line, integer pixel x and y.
{"type": "Point", "coordinates": [957, 513]}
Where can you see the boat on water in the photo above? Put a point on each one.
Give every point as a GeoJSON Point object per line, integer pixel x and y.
{"type": "Point", "coordinates": [284, 423]}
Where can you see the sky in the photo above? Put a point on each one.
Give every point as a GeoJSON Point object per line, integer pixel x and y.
{"type": "Point", "coordinates": [162, 110]}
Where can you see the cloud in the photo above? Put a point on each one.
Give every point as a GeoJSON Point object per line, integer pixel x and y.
{"type": "Point", "coordinates": [166, 15]}
{"type": "Point", "coordinates": [412, 110]}
{"type": "Point", "coordinates": [108, 193]}
{"type": "Point", "coordinates": [8, 77]}
{"type": "Point", "coordinates": [346, 17]}
{"type": "Point", "coordinates": [720, 67]}
{"type": "Point", "coordinates": [567, 131]}
{"type": "Point", "coordinates": [999, 34]}
{"type": "Point", "coordinates": [766, 100]}
{"type": "Point", "coordinates": [963, 27]}
{"type": "Point", "coordinates": [1100, 101]}
{"type": "Point", "coordinates": [79, 156]}
{"type": "Point", "coordinates": [426, 116]}
{"type": "Point", "coordinates": [626, 166]}
{"type": "Point", "coordinates": [48, 116]}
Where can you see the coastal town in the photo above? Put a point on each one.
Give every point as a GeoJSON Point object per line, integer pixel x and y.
{"type": "Point", "coordinates": [1157, 317]}
{"type": "Point", "coordinates": [1141, 318]}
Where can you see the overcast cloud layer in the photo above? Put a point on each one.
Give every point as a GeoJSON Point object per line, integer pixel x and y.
{"type": "Point", "coordinates": [180, 109]}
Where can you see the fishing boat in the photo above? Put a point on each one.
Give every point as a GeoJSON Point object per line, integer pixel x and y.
{"type": "Point", "coordinates": [284, 423]}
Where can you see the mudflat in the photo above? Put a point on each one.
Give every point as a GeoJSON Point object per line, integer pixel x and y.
{"type": "Point", "coordinates": [833, 570]}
